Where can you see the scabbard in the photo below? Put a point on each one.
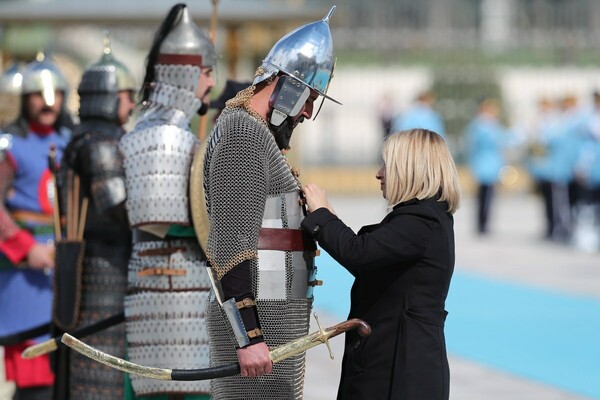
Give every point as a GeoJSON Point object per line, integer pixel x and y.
{"type": "Point", "coordinates": [27, 334]}
{"type": "Point", "coordinates": [51, 345]}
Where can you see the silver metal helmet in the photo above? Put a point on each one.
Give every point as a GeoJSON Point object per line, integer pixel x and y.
{"type": "Point", "coordinates": [305, 54]}
{"type": "Point", "coordinates": [187, 44]}
{"type": "Point", "coordinates": [100, 84]}
{"type": "Point", "coordinates": [12, 79]}
{"type": "Point", "coordinates": [43, 76]}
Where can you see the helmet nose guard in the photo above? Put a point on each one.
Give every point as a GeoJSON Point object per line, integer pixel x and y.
{"type": "Point", "coordinates": [305, 54]}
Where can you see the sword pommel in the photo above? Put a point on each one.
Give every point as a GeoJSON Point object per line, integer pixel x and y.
{"type": "Point", "coordinates": [363, 328]}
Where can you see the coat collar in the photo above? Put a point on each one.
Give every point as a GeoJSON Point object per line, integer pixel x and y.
{"type": "Point", "coordinates": [415, 201]}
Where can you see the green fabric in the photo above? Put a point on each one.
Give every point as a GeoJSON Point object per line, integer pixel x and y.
{"type": "Point", "coordinates": [5, 264]}
{"type": "Point", "coordinates": [181, 231]}
{"type": "Point", "coordinates": [37, 229]}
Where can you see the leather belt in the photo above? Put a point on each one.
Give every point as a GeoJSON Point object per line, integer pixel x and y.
{"type": "Point", "coordinates": [161, 251]}
{"type": "Point", "coordinates": [30, 216]}
{"type": "Point", "coordinates": [162, 271]}
{"type": "Point", "coordinates": [285, 240]}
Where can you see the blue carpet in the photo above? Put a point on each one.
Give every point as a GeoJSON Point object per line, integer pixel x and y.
{"type": "Point", "coordinates": [535, 333]}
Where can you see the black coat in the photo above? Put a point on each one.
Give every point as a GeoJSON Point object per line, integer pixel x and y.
{"type": "Point", "coordinates": [402, 268]}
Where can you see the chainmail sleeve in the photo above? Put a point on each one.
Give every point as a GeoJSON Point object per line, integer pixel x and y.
{"type": "Point", "coordinates": [236, 182]}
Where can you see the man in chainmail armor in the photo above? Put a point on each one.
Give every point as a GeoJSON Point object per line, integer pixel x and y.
{"type": "Point", "coordinates": [106, 95]}
{"type": "Point", "coordinates": [168, 283]}
{"type": "Point", "coordinates": [264, 267]}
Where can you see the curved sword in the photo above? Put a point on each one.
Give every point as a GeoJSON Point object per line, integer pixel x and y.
{"type": "Point", "coordinates": [170, 374]}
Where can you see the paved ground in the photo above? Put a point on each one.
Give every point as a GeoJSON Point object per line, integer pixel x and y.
{"type": "Point", "coordinates": [513, 252]}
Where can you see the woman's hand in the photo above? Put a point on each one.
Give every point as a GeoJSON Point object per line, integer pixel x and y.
{"type": "Point", "coordinates": [316, 198]}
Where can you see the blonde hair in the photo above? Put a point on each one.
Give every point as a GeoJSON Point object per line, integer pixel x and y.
{"type": "Point", "coordinates": [418, 164]}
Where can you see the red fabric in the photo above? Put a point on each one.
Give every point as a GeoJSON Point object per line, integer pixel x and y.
{"type": "Point", "coordinates": [16, 247]}
{"type": "Point", "coordinates": [40, 129]}
{"type": "Point", "coordinates": [46, 203]}
{"type": "Point", "coordinates": [8, 227]}
{"type": "Point", "coordinates": [11, 163]}
{"type": "Point", "coordinates": [27, 373]}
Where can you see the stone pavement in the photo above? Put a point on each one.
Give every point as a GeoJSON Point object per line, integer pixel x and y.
{"type": "Point", "coordinates": [514, 252]}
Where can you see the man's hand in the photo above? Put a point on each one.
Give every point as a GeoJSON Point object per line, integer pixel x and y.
{"type": "Point", "coordinates": [255, 360]}
{"type": "Point", "coordinates": [41, 256]}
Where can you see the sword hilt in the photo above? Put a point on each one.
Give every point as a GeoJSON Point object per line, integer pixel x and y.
{"type": "Point", "coordinates": [323, 338]}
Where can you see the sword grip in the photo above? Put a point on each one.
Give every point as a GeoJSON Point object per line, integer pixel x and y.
{"type": "Point", "coordinates": [210, 373]}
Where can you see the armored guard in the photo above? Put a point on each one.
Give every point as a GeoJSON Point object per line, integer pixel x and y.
{"type": "Point", "coordinates": [93, 181]}
{"type": "Point", "coordinates": [262, 262]}
{"type": "Point", "coordinates": [27, 230]}
{"type": "Point", "coordinates": [168, 284]}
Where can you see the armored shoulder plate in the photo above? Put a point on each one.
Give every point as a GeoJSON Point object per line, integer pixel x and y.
{"type": "Point", "coordinates": [157, 160]}
{"type": "Point", "coordinates": [95, 156]}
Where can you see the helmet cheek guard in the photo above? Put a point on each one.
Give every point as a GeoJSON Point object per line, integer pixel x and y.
{"type": "Point", "coordinates": [287, 99]}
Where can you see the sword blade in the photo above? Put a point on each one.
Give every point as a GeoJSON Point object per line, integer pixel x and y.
{"type": "Point", "coordinates": [116, 362]}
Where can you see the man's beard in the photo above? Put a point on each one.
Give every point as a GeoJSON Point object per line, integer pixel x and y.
{"type": "Point", "coordinates": [283, 132]}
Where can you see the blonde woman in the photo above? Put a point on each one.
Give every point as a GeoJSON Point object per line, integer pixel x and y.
{"type": "Point", "coordinates": [402, 268]}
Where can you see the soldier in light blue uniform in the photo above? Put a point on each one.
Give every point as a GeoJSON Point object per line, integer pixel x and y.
{"type": "Point", "coordinates": [586, 234]}
{"type": "Point", "coordinates": [487, 140]}
{"type": "Point", "coordinates": [563, 144]}
{"type": "Point", "coordinates": [421, 115]}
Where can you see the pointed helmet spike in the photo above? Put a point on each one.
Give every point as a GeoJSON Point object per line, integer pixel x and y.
{"type": "Point", "coordinates": [329, 14]}
{"type": "Point", "coordinates": [106, 42]}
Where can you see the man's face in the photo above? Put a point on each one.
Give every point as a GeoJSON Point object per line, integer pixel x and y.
{"type": "Point", "coordinates": [38, 111]}
{"type": "Point", "coordinates": [205, 84]}
{"type": "Point", "coordinates": [126, 106]}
